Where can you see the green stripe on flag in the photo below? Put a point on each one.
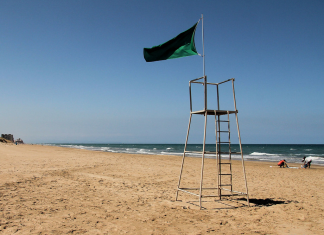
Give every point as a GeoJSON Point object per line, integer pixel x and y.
{"type": "Point", "coordinates": [180, 46]}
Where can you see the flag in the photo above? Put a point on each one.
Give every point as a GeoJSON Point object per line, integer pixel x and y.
{"type": "Point", "coordinates": [179, 46]}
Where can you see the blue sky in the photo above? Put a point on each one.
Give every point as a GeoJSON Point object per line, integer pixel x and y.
{"type": "Point", "coordinates": [73, 71]}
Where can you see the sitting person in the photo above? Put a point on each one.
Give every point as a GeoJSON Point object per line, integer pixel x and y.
{"type": "Point", "coordinates": [282, 163]}
{"type": "Point", "coordinates": [307, 162]}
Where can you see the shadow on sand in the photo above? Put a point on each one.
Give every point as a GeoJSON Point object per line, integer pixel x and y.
{"type": "Point", "coordinates": [237, 203]}
{"type": "Point", "coordinates": [264, 202]}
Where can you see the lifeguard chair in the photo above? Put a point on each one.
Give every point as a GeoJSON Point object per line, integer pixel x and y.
{"type": "Point", "coordinates": [224, 185]}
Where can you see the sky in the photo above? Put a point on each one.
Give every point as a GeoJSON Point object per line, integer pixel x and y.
{"type": "Point", "coordinates": [73, 71]}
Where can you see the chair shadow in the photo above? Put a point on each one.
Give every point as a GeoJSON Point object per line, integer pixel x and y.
{"type": "Point", "coordinates": [241, 202]}
{"type": "Point", "coordinates": [264, 202]}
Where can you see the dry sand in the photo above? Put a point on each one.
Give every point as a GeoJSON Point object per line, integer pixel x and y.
{"type": "Point", "coordinates": [54, 190]}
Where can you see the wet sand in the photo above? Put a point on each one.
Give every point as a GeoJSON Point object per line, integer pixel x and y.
{"type": "Point", "coordinates": [54, 190]}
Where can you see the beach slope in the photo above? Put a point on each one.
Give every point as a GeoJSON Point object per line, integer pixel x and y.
{"type": "Point", "coordinates": [54, 190]}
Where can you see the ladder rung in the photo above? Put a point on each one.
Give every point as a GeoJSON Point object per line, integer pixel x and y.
{"type": "Point", "coordinates": [223, 131]}
{"type": "Point", "coordinates": [225, 174]}
{"type": "Point", "coordinates": [209, 152]}
{"type": "Point", "coordinates": [225, 163]}
{"type": "Point", "coordinates": [225, 185]}
{"type": "Point", "coordinates": [224, 142]}
{"type": "Point", "coordinates": [230, 152]}
{"type": "Point", "coordinates": [201, 152]}
{"type": "Point", "coordinates": [222, 121]}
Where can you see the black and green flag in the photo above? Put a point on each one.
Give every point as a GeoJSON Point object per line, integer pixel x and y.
{"type": "Point", "coordinates": [180, 46]}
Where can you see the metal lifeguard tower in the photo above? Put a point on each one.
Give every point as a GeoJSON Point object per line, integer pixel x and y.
{"type": "Point", "coordinates": [223, 155]}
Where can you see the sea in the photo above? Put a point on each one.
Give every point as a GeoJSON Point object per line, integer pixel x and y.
{"type": "Point", "coordinates": [292, 153]}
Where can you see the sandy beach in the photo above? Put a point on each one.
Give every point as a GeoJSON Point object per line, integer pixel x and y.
{"type": "Point", "coordinates": [54, 190]}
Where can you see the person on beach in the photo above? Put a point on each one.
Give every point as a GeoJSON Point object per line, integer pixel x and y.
{"type": "Point", "coordinates": [307, 162]}
{"type": "Point", "coordinates": [282, 163]}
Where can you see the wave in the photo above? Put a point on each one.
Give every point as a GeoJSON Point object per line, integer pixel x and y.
{"type": "Point", "coordinates": [251, 152]}
{"type": "Point", "coordinates": [262, 154]}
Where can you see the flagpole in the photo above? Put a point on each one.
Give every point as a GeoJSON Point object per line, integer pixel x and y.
{"type": "Point", "coordinates": [203, 42]}
{"type": "Point", "coordinates": [205, 114]}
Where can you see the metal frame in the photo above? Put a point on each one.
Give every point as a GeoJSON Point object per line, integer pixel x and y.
{"type": "Point", "coordinates": [217, 113]}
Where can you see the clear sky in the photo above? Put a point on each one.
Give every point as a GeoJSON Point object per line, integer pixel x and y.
{"type": "Point", "coordinates": [73, 71]}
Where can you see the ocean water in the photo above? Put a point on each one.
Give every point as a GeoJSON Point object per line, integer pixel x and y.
{"type": "Point", "coordinates": [255, 152]}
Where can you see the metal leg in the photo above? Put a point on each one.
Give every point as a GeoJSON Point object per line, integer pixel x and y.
{"type": "Point", "coordinates": [219, 159]}
{"type": "Point", "coordinates": [203, 161]}
{"type": "Point", "coordinates": [230, 151]}
{"type": "Point", "coordinates": [184, 154]}
{"type": "Point", "coordinates": [216, 155]}
{"type": "Point", "coordinates": [239, 136]}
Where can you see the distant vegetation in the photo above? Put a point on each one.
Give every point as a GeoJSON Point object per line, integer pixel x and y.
{"type": "Point", "coordinates": [3, 140]}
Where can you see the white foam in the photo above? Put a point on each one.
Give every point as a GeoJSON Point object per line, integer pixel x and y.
{"type": "Point", "coordinates": [294, 155]}
{"type": "Point", "coordinates": [262, 154]}
{"type": "Point", "coordinates": [313, 158]}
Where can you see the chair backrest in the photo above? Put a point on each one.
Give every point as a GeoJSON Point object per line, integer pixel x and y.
{"type": "Point", "coordinates": [206, 84]}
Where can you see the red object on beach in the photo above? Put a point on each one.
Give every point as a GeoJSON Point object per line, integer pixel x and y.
{"type": "Point", "coordinates": [281, 162]}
